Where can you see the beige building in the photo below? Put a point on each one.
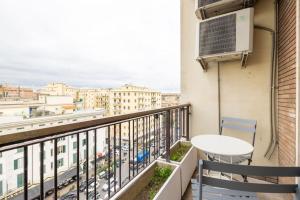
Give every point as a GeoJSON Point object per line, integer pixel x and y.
{"type": "Point", "coordinates": [94, 98]}
{"type": "Point", "coordinates": [170, 99]}
{"type": "Point", "coordinates": [59, 89]}
{"type": "Point", "coordinates": [129, 98]}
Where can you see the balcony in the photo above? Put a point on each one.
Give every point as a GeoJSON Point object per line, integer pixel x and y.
{"type": "Point", "coordinates": [66, 158]}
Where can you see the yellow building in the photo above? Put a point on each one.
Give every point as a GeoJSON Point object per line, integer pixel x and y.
{"type": "Point", "coordinates": [129, 98]}
{"type": "Point", "coordinates": [170, 99]}
{"type": "Point", "coordinates": [94, 98]}
{"type": "Point", "coordinates": [59, 89]}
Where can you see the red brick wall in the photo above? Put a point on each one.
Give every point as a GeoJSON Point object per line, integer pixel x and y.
{"type": "Point", "coordinates": [287, 82]}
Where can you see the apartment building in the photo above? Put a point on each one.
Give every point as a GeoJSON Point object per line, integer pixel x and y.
{"type": "Point", "coordinates": [59, 89]}
{"type": "Point", "coordinates": [170, 99]}
{"type": "Point", "coordinates": [11, 162]}
{"type": "Point", "coordinates": [130, 98]}
{"type": "Point", "coordinates": [94, 98]}
{"type": "Point", "coordinates": [9, 92]}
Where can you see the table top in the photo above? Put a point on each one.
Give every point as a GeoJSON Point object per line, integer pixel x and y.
{"type": "Point", "coordinates": [222, 145]}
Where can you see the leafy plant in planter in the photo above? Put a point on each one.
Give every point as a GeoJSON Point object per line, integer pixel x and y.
{"type": "Point", "coordinates": [161, 174]}
{"type": "Point", "coordinates": [180, 151]}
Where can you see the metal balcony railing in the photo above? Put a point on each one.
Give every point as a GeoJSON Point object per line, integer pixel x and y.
{"type": "Point", "coordinates": [107, 153]}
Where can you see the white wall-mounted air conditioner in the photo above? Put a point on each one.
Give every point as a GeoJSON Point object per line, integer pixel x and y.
{"type": "Point", "coordinates": [225, 37]}
{"type": "Point", "coordinates": [210, 8]}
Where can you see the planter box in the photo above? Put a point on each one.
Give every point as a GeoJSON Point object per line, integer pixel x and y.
{"type": "Point", "coordinates": [187, 165]}
{"type": "Point", "coordinates": [169, 190]}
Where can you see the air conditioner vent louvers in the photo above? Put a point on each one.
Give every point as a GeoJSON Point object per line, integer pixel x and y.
{"type": "Point", "coordinates": [209, 8]}
{"type": "Point", "coordinates": [218, 35]}
{"type": "Point", "coordinates": [206, 2]}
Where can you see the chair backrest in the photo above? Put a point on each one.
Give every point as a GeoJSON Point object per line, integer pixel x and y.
{"type": "Point", "coordinates": [242, 125]}
{"type": "Point", "coordinates": [248, 170]}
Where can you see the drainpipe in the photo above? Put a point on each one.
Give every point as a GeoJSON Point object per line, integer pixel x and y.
{"type": "Point", "coordinates": [273, 118]}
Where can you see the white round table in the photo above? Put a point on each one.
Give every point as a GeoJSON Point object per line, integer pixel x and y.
{"type": "Point", "coordinates": [222, 145]}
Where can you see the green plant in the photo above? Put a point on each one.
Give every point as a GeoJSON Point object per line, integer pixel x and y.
{"type": "Point", "coordinates": [161, 174]}
{"type": "Point", "coordinates": [179, 152]}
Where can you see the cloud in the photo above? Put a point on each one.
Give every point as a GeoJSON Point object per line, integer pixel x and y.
{"type": "Point", "coordinates": [90, 43]}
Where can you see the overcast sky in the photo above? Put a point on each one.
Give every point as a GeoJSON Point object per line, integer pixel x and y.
{"type": "Point", "coordinates": [90, 43]}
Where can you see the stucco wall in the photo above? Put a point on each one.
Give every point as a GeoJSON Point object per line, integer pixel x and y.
{"type": "Point", "coordinates": [244, 93]}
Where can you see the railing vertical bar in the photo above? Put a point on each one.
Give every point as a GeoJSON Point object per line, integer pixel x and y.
{"type": "Point", "coordinates": [25, 160]}
{"type": "Point", "coordinates": [95, 162]}
{"type": "Point", "coordinates": [167, 136]}
{"type": "Point", "coordinates": [159, 136]}
{"type": "Point", "coordinates": [87, 164]}
{"type": "Point", "coordinates": [176, 125]}
{"type": "Point", "coordinates": [155, 138]}
{"type": "Point", "coordinates": [42, 171]}
{"type": "Point", "coordinates": [144, 140]}
{"type": "Point", "coordinates": [129, 145]}
{"type": "Point", "coordinates": [188, 123]}
{"type": "Point", "coordinates": [133, 163]}
{"type": "Point", "coordinates": [137, 146]}
{"type": "Point", "coordinates": [171, 127]}
{"type": "Point", "coordinates": [114, 158]}
{"type": "Point", "coordinates": [55, 168]}
{"type": "Point", "coordinates": [149, 138]}
{"type": "Point", "coordinates": [109, 156]}
{"type": "Point", "coordinates": [120, 156]}
{"type": "Point", "coordinates": [77, 165]}
{"type": "Point", "coordinates": [183, 123]}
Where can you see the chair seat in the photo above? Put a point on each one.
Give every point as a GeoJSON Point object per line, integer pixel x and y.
{"type": "Point", "coordinates": [227, 159]}
{"type": "Point", "coordinates": [214, 193]}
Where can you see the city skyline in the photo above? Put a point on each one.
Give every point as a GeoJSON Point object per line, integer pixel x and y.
{"type": "Point", "coordinates": [38, 46]}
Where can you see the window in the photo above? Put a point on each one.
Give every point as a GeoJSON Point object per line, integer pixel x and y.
{"type": "Point", "coordinates": [1, 155]}
{"type": "Point", "coordinates": [74, 158]}
{"type": "Point", "coordinates": [44, 169]}
{"type": "Point", "coordinates": [18, 163]}
{"type": "Point", "coordinates": [61, 149]}
{"type": "Point", "coordinates": [74, 145]}
{"type": "Point", "coordinates": [84, 154]}
{"type": "Point", "coordinates": [20, 150]}
{"type": "Point", "coordinates": [51, 151]}
{"type": "Point", "coordinates": [60, 162]}
{"type": "Point", "coordinates": [1, 188]}
{"type": "Point", "coordinates": [20, 180]}
{"type": "Point", "coordinates": [51, 165]}
{"type": "Point", "coordinates": [83, 142]}
{"type": "Point", "coordinates": [1, 169]}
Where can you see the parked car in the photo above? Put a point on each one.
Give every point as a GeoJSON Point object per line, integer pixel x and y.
{"type": "Point", "coordinates": [102, 174]}
{"type": "Point", "coordinates": [69, 196]}
{"type": "Point", "coordinates": [108, 176]}
{"type": "Point", "coordinates": [125, 148]}
{"type": "Point", "coordinates": [112, 183]}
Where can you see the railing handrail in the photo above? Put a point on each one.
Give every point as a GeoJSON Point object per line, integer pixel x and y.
{"type": "Point", "coordinates": [20, 137]}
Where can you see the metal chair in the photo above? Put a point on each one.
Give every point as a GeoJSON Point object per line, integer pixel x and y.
{"type": "Point", "coordinates": [243, 125]}
{"type": "Point", "coordinates": [209, 188]}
